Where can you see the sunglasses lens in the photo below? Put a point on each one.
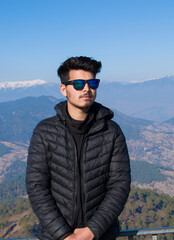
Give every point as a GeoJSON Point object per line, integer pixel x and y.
{"type": "Point", "coordinates": [78, 84]}
{"type": "Point", "coordinates": [93, 83]}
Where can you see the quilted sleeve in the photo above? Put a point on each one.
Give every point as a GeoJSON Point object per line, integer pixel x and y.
{"type": "Point", "coordinates": [118, 188]}
{"type": "Point", "coordinates": [38, 189]}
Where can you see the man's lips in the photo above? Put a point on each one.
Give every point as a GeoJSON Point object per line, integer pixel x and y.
{"type": "Point", "coordinates": [86, 96]}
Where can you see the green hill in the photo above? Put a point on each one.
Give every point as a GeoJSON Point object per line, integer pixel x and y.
{"type": "Point", "coordinates": [144, 172]}
{"type": "Point", "coordinates": [21, 116]}
{"type": "Point", "coordinates": [13, 185]}
{"type": "Point", "coordinates": [148, 209]}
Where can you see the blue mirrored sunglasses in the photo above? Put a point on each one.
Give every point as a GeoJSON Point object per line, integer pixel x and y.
{"type": "Point", "coordinates": [79, 84]}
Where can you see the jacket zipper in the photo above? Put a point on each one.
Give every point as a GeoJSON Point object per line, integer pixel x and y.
{"type": "Point", "coordinates": [75, 183]}
{"type": "Point", "coordinates": [82, 182]}
{"type": "Point", "coordinates": [82, 193]}
{"type": "Point", "coordinates": [83, 202]}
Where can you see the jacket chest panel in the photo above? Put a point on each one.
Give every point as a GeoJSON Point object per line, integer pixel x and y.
{"type": "Point", "coordinates": [99, 150]}
{"type": "Point", "coordinates": [61, 156]}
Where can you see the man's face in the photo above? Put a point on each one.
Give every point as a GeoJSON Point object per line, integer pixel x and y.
{"type": "Point", "coordinates": [81, 99]}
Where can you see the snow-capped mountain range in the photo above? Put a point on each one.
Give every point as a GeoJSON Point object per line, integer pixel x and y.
{"type": "Point", "coordinates": [30, 83]}
{"type": "Point", "coordinates": [21, 84]}
{"type": "Point", "coordinates": [151, 100]}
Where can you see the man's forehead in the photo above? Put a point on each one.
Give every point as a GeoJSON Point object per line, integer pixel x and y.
{"type": "Point", "coordinates": [80, 74]}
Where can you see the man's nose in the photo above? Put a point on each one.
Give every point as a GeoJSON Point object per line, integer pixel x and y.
{"type": "Point", "coordinates": [86, 87]}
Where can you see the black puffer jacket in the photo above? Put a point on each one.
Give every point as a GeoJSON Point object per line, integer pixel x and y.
{"type": "Point", "coordinates": [51, 175]}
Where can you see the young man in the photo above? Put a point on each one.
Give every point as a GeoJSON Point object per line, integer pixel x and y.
{"type": "Point", "coordinates": [78, 172]}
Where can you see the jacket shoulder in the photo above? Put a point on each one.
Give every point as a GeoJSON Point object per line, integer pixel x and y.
{"type": "Point", "coordinates": [115, 130]}
{"type": "Point", "coordinates": [45, 124]}
{"type": "Point", "coordinates": [114, 126]}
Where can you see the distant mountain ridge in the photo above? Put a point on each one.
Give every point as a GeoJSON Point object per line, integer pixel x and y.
{"type": "Point", "coordinates": [18, 118]}
{"type": "Point", "coordinates": [151, 100]}
{"type": "Point", "coordinates": [11, 91]}
{"type": "Point", "coordinates": [170, 121]}
{"type": "Point", "coordinates": [147, 140]}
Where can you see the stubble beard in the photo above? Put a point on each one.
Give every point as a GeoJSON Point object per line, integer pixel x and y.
{"type": "Point", "coordinates": [86, 105]}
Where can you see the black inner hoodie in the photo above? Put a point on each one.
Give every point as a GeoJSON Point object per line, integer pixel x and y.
{"type": "Point", "coordinates": [78, 130]}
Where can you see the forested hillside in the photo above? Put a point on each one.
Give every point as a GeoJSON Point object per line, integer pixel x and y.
{"type": "Point", "coordinates": [144, 209]}
{"type": "Point", "coordinates": [144, 172]}
{"type": "Point", "coordinates": [13, 185]}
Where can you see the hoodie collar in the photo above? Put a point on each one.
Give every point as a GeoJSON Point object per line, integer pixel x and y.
{"type": "Point", "coordinates": [101, 111]}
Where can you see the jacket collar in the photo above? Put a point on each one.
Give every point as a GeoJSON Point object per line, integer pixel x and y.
{"type": "Point", "coordinates": [59, 110]}
{"type": "Point", "coordinates": [102, 114]}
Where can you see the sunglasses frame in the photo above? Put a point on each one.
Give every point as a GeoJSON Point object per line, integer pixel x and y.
{"type": "Point", "coordinates": [72, 82]}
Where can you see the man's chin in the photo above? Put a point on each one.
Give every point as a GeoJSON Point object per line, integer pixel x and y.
{"type": "Point", "coordinates": [85, 106]}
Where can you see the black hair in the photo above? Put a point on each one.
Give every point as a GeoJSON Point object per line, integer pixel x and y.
{"type": "Point", "coordinates": [78, 63]}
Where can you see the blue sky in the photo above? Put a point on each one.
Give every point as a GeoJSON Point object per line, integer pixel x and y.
{"type": "Point", "coordinates": [134, 39]}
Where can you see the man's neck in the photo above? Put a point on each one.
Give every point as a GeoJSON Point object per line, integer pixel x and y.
{"type": "Point", "coordinates": [77, 113]}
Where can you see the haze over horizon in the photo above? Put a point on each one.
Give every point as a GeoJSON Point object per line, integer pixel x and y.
{"type": "Point", "coordinates": [133, 39]}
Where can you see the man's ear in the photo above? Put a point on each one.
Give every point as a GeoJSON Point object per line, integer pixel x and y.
{"type": "Point", "coordinates": [63, 89]}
